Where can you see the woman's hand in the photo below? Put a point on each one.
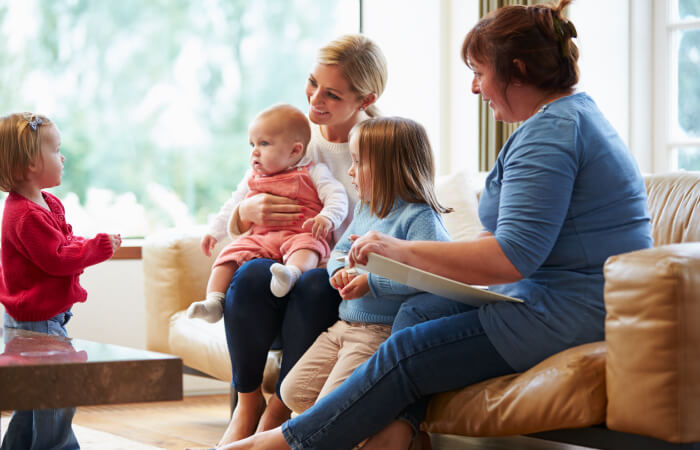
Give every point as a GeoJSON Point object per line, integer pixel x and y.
{"type": "Point", "coordinates": [375, 242]}
{"type": "Point", "coordinates": [268, 210]}
{"type": "Point", "coordinates": [207, 243]}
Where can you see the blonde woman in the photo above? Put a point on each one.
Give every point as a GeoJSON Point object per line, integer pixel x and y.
{"type": "Point", "coordinates": [349, 76]}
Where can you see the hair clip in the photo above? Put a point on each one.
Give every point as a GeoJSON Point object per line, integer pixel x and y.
{"type": "Point", "coordinates": [34, 123]}
{"type": "Point", "coordinates": [564, 30]}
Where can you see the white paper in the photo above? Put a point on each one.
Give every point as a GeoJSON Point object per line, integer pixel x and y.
{"type": "Point", "coordinates": [429, 282]}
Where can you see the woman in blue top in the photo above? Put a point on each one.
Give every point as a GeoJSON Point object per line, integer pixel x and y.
{"type": "Point", "coordinates": [565, 194]}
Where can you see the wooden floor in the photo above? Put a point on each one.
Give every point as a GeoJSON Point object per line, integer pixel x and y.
{"type": "Point", "coordinates": [196, 421]}
{"type": "Point", "coordinates": [199, 421]}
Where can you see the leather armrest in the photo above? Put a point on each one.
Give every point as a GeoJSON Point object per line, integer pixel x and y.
{"type": "Point", "coordinates": [566, 390]}
{"type": "Point", "coordinates": [175, 275]}
{"type": "Point", "coordinates": [652, 332]}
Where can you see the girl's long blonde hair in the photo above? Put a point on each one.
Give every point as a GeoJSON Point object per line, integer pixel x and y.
{"type": "Point", "coordinates": [400, 160]}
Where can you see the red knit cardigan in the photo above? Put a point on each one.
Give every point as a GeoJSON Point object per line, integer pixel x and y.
{"type": "Point", "coordinates": [41, 260]}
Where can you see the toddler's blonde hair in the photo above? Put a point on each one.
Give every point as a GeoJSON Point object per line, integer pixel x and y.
{"type": "Point", "coordinates": [19, 146]}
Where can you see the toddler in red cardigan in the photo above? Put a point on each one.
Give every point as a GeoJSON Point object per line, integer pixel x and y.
{"type": "Point", "coordinates": [40, 259]}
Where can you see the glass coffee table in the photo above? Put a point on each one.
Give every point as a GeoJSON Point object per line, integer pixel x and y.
{"type": "Point", "coordinates": [40, 371]}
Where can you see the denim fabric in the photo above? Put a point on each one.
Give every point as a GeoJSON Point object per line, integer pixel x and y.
{"type": "Point", "coordinates": [448, 351]}
{"type": "Point", "coordinates": [255, 320]}
{"type": "Point", "coordinates": [41, 428]}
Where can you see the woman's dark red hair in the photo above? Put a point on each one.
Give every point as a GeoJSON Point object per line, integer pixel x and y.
{"type": "Point", "coordinates": [538, 36]}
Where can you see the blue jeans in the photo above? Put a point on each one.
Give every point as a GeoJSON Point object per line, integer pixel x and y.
{"type": "Point", "coordinates": [255, 320]}
{"type": "Point", "coordinates": [41, 428]}
{"type": "Point", "coordinates": [437, 345]}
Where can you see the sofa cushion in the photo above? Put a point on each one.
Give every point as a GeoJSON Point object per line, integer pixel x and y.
{"type": "Point", "coordinates": [457, 191]}
{"type": "Point", "coordinates": [200, 344]}
{"type": "Point", "coordinates": [653, 364]}
{"type": "Point", "coordinates": [567, 390]}
{"type": "Point", "coordinates": [176, 273]}
{"type": "Point", "coordinates": [674, 200]}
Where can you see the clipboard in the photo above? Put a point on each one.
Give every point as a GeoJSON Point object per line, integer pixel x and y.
{"type": "Point", "coordinates": [430, 282]}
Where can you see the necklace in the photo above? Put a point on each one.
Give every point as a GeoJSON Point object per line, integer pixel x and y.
{"type": "Point", "coordinates": [549, 101]}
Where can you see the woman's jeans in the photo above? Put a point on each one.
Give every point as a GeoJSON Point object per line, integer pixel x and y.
{"type": "Point", "coordinates": [438, 345]}
{"type": "Point", "coordinates": [255, 319]}
{"type": "Point", "coordinates": [41, 428]}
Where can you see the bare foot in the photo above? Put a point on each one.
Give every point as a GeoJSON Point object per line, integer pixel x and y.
{"type": "Point", "coordinates": [275, 414]}
{"type": "Point", "coordinates": [267, 440]}
{"type": "Point", "coordinates": [422, 442]}
{"type": "Point", "coordinates": [245, 417]}
{"type": "Point", "coordinates": [395, 436]}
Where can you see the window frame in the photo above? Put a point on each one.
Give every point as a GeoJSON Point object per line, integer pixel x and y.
{"type": "Point", "coordinates": [665, 85]}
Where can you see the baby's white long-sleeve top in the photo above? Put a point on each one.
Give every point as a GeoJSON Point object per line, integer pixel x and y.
{"type": "Point", "coordinates": [330, 191]}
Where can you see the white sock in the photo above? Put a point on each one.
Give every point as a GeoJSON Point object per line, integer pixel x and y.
{"type": "Point", "coordinates": [283, 279]}
{"type": "Point", "coordinates": [210, 309]}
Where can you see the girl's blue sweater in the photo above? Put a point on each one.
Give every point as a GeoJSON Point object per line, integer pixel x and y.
{"type": "Point", "coordinates": [409, 221]}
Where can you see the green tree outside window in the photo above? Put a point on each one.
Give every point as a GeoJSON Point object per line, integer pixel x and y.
{"type": "Point", "coordinates": [153, 97]}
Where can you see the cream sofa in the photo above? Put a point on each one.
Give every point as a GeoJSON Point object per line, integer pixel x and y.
{"type": "Point", "coordinates": [640, 388]}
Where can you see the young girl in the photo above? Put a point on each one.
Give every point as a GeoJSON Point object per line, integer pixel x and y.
{"type": "Point", "coordinates": [278, 136]}
{"type": "Point", "coordinates": [393, 172]}
{"type": "Point", "coordinates": [41, 260]}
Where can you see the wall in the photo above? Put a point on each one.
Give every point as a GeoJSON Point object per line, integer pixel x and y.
{"type": "Point", "coordinates": [429, 82]}
{"type": "Point", "coordinates": [604, 42]}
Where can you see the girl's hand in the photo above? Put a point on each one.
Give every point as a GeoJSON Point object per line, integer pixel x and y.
{"type": "Point", "coordinates": [268, 210]}
{"type": "Point", "coordinates": [342, 278]}
{"type": "Point", "coordinates": [208, 242]}
{"type": "Point", "coordinates": [375, 242]}
{"type": "Point", "coordinates": [357, 287]}
{"type": "Point", "coordinates": [320, 226]}
{"type": "Point", "coordinates": [115, 240]}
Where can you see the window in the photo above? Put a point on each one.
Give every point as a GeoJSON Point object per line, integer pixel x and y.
{"type": "Point", "coordinates": [677, 84]}
{"type": "Point", "coordinates": [153, 98]}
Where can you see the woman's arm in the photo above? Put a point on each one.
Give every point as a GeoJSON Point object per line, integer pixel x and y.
{"type": "Point", "coordinates": [479, 261]}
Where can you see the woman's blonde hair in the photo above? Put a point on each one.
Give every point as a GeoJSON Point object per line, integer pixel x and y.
{"type": "Point", "coordinates": [400, 161]}
{"type": "Point", "coordinates": [19, 146]}
{"type": "Point", "coordinates": [362, 63]}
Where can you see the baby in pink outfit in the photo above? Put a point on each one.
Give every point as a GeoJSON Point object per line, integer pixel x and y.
{"type": "Point", "coordinates": [279, 136]}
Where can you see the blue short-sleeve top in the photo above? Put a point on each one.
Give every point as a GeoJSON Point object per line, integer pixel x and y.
{"type": "Point", "coordinates": [564, 195]}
